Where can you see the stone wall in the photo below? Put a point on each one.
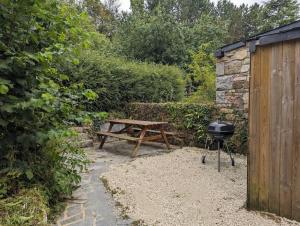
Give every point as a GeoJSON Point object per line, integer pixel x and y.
{"type": "Point", "coordinates": [232, 82]}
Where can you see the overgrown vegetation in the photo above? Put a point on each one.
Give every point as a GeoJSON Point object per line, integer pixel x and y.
{"type": "Point", "coordinates": [202, 74]}
{"type": "Point", "coordinates": [118, 81]}
{"type": "Point", "coordinates": [36, 97]}
{"type": "Point", "coordinates": [46, 52]}
{"type": "Point", "coordinates": [38, 103]}
{"type": "Point", "coordinates": [28, 207]}
{"type": "Point", "coordinates": [172, 31]}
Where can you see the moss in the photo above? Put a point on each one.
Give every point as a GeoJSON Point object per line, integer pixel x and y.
{"type": "Point", "coordinates": [118, 190]}
{"type": "Point", "coordinates": [112, 191]}
{"type": "Point", "coordinates": [28, 207]}
{"type": "Point", "coordinates": [138, 223]}
{"type": "Point", "coordinates": [105, 183]}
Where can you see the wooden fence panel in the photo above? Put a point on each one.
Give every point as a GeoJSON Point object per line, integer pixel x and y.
{"type": "Point", "coordinates": [286, 136]}
{"type": "Point", "coordinates": [274, 130]}
{"type": "Point", "coordinates": [296, 150]}
{"type": "Point", "coordinates": [275, 120]}
{"type": "Point", "coordinates": [264, 123]}
{"type": "Point", "coordinates": [253, 158]}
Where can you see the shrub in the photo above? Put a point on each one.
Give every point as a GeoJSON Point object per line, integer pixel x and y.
{"type": "Point", "coordinates": [118, 81]}
{"type": "Point", "coordinates": [37, 100]}
{"type": "Point", "coordinates": [153, 37]}
{"type": "Point", "coordinates": [60, 166]}
{"type": "Point", "coordinates": [28, 207]}
{"type": "Point", "coordinates": [201, 77]}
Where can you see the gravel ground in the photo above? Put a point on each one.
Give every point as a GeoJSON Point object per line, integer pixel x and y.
{"type": "Point", "coordinates": [176, 189]}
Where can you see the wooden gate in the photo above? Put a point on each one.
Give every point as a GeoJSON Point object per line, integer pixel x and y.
{"type": "Point", "coordinates": [274, 130]}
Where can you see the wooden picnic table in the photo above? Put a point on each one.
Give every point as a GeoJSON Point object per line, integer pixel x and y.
{"type": "Point", "coordinates": [144, 126]}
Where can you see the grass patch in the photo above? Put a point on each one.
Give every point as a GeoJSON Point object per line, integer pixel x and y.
{"type": "Point", "coordinates": [56, 211]}
{"type": "Point", "coordinates": [123, 208]}
{"type": "Point", "coordinates": [112, 191]}
{"type": "Point", "coordinates": [28, 207]}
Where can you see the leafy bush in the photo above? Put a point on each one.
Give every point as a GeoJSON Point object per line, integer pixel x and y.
{"type": "Point", "coordinates": [27, 208]}
{"type": "Point", "coordinates": [50, 66]}
{"type": "Point", "coordinates": [159, 35]}
{"type": "Point", "coordinates": [65, 160]}
{"type": "Point", "coordinates": [202, 78]}
{"type": "Point", "coordinates": [153, 37]}
{"type": "Point", "coordinates": [37, 100]}
{"type": "Point", "coordinates": [118, 81]}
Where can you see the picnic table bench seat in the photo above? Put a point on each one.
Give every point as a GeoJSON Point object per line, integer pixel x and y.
{"type": "Point", "coordinates": [116, 135]}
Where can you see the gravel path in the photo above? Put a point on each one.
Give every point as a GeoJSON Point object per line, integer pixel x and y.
{"type": "Point", "coordinates": [92, 205]}
{"type": "Point", "coordinates": [176, 189]}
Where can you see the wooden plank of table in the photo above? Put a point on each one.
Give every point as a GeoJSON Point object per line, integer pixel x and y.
{"type": "Point", "coordinates": [152, 138]}
{"type": "Point", "coordinates": [165, 138]}
{"type": "Point", "coordinates": [137, 122]}
{"type": "Point", "coordinates": [120, 136]}
{"type": "Point", "coordinates": [136, 149]}
{"type": "Point", "coordinates": [105, 137]}
{"type": "Point", "coordinates": [158, 132]}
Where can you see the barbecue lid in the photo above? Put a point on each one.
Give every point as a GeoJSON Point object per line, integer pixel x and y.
{"type": "Point", "coordinates": [221, 127]}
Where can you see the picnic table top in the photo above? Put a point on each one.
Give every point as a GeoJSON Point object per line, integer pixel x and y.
{"type": "Point", "coordinates": [136, 122]}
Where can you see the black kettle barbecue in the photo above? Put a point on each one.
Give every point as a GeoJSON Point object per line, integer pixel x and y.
{"type": "Point", "coordinates": [219, 131]}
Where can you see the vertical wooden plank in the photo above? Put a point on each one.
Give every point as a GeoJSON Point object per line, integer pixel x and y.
{"type": "Point", "coordinates": [296, 148]}
{"type": "Point", "coordinates": [254, 132]}
{"type": "Point", "coordinates": [264, 123]}
{"type": "Point", "coordinates": [275, 118]}
{"type": "Point", "coordinates": [286, 134]}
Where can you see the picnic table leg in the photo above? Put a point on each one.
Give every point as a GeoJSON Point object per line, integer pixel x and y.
{"type": "Point", "coordinates": [104, 137]}
{"type": "Point", "coordinates": [136, 149]}
{"type": "Point", "coordinates": [165, 138]}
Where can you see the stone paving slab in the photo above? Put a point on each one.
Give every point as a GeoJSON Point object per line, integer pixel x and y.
{"type": "Point", "coordinates": [92, 205]}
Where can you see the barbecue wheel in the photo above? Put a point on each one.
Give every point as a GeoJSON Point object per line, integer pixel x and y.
{"type": "Point", "coordinates": [203, 159]}
{"type": "Point", "coordinates": [232, 162]}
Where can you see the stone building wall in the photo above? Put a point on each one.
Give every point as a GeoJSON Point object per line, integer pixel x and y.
{"type": "Point", "coordinates": [232, 82]}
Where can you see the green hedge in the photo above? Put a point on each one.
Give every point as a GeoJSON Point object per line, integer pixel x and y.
{"type": "Point", "coordinates": [118, 81]}
{"type": "Point", "coordinates": [190, 120]}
